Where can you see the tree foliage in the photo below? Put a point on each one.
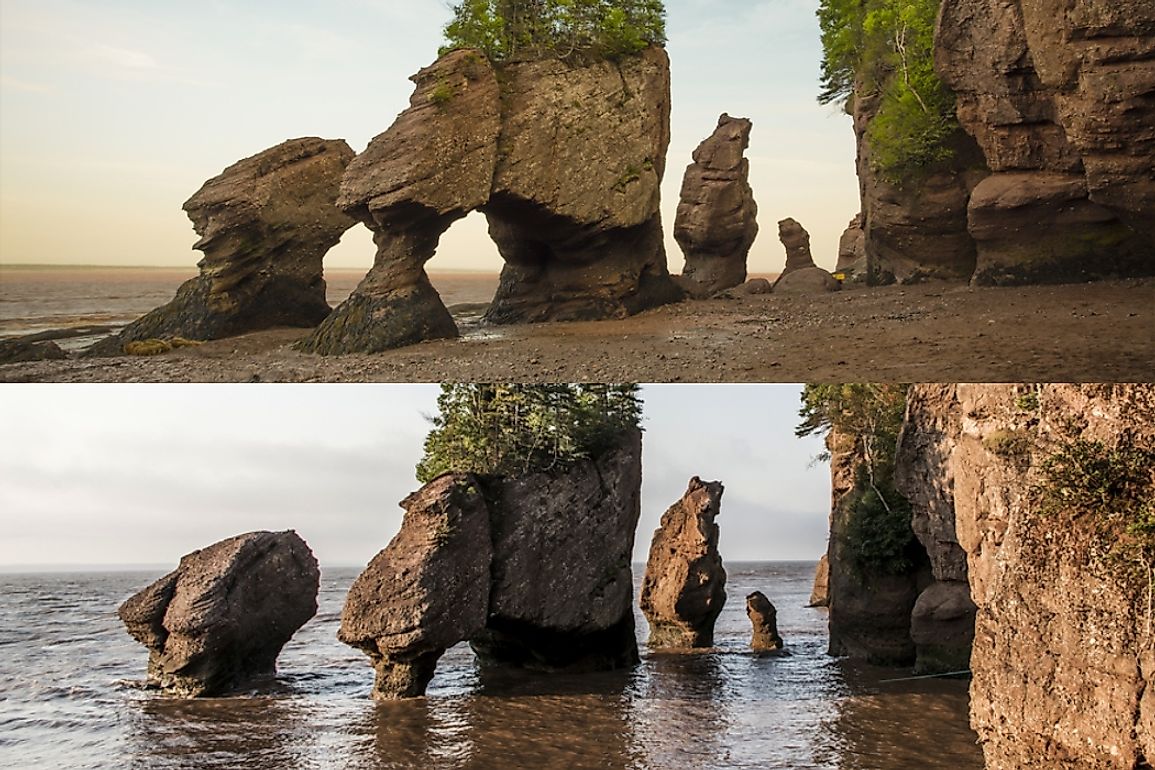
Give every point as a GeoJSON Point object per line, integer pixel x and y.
{"type": "Point", "coordinates": [533, 29]}
{"type": "Point", "coordinates": [878, 530]}
{"type": "Point", "coordinates": [512, 429]}
{"type": "Point", "coordinates": [887, 47]}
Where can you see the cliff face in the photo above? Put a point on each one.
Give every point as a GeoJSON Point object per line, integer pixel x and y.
{"type": "Point", "coordinates": [1060, 96]}
{"type": "Point", "coordinates": [565, 161]}
{"type": "Point", "coordinates": [1063, 646]}
{"type": "Point", "coordinates": [533, 571]}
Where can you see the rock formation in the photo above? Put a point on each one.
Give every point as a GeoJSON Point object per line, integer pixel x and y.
{"type": "Point", "coordinates": [220, 619]}
{"type": "Point", "coordinates": [265, 225]}
{"type": "Point", "coordinates": [716, 222]}
{"type": "Point", "coordinates": [942, 621]}
{"type": "Point", "coordinates": [685, 584]}
{"type": "Point", "coordinates": [820, 594]}
{"type": "Point", "coordinates": [764, 618]}
{"type": "Point", "coordinates": [870, 610]}
{"type": "Point", "coordinates": [573, 208]}
{"type": "Point", "coordinates": [15, 351]}
{"type": "Point", "coordinates": [532, 570]}
{"type": "Point", "coordinates": [1058, 96]}
{"type": "Point", "coordinates": [852, 248]}
{"type": "Point", "coordinates": [801, 275]}
{"type": "Point", "coordinates": [428, 590]}
{"type": "Point", "coordinates": [1061, 658]}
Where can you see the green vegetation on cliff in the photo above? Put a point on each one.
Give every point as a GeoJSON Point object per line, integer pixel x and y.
{"type": "Point", "coordinates": [533, 29]}
{"type": "Point", "coordinates": [514, 429]}
{"type": "Point", "coordinates": [886, 48]}
{"type": "Point", "coordinates": [878, 532]}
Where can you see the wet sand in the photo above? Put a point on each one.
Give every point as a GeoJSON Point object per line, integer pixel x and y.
{"type": "Point", "coordinates": [932, 332]}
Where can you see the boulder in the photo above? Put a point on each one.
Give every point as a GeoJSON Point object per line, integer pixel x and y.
{"type": "Point", "coordinates": [573, 209]}
{"type": "Point", "coordinates": [808, 280]}
{"type": "Point", "coordinates": [1058, 96]}
{"type": "Point", "coordinates": [219, 621]}
{"type": "Point", "coordinates": [266, 224]}
{"type": "Point", "coordinates": [685, 584]}
{"type": "Point", "coordinates": [942, 627]}
{"type": "Point", "coordinates": [716, 223]}
{"type": "Point", "coordinates": [764, 617]}
{"type": "Point", "coordinates": [15, 351]}
{"type": "Point", "coordinates": [427, 591]}
{"type": "Point", "coordinates": [533, 570]}
{"type": "Point", "coordinates": [820, 594]}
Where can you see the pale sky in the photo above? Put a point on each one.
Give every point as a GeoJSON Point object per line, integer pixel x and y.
{"type": "Point", "coordinates": [112, 114]}
{"type": "Point", "coordinates": [113, 475]}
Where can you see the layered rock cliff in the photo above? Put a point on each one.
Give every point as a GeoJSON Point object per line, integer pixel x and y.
{"type": "Point", "coordinates": [564, 160]}
{"type": "Point", "coordinates": [1051, 489]}
{"type": "Point", "coordinates": [1060, 96]}
{"type": "Point", "coordinates": [532, 570]}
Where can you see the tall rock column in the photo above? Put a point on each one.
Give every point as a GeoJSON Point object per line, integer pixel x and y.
{"type": "Point", "coordinates": [433, 166]}
{"type": "Point", "coordinates": [685, 584]}
{"type": "Point", "coordinates": [1058, 97]}
{"type": "Point", "coordinates": [717, 217]}
{"type": "Point", "coordinates": [265, 225]}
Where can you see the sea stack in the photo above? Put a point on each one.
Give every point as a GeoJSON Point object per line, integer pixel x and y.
{"type": "Point", "coordinates": [801, 275]}
{"type": "Point", "coordinates": [717, 222]}
{"type": "Point", "coordinates": [820, 593]}
{"type": "Point", "coordinates": [685, 584]}
{"type": "Point", "coordinates": [764, 618]}
{"type": "Point", "coordinates": [219, 621]}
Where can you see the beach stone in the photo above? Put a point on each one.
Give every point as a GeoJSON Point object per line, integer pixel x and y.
{"type": "Point", "coordinates": [16, 351]}
{"type": "Point", "coordinates": [218, 622]}
{"type": "Point", "coordinates": [426, 591]}
{"type": "Point", "coordinates": [764, 618]}
{"type": "Point", "coordinates": [266, 224]}
{"type": "Point", "coordinates": [807, 280]}
{"type": "Point", "coordinates": [820, 594]}
{"type": "Point", "coordinates": [685, 583]}
{"type": "Point", "coordinates": [716, 221]}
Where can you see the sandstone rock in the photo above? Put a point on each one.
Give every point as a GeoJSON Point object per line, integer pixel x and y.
{"type": "Point", "coordinates": [716, 222]}
{"type": "Point", "coordinates": [764, 617]}
{"type": "Point", "coordinates": [266, 224]}
{"type": "Point", "coordinates": [15, 351]}
{"type": "Point", "coordinates": [1060, 91]}
{"type": "Point", "coordinates": [562, 585]}
{"type": "Point", "coordinates": [942, 627]}
{"type": "Point", "coordinates": [427, 591]}
{"type": "Point", "coordinates": [754, 287]}
{"type": "Point", "coordinates": [820, 594]}
{"type": "Point", "coordinates": [797, 243]}
{"type": "Point", "coordinates": [220, 619]}
{"type": "Point", "coordinates": [1061, 658]}
{"type": "Point", "coordinates": [807, 280]}
{"type": "Point", "coordinates": [685, 584]}
{"type": "Point", "coordinates": [852, 247]}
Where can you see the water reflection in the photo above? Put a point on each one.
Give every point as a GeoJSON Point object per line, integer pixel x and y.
{"type": "Point", "coordinates": [678, 714]}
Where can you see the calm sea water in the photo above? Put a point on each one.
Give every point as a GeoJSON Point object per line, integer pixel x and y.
{"type": "Point", "coordinates": [70, 697]}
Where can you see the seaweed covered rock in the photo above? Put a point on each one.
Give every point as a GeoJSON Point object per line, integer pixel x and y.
{"type": "Point", "coordinates": [685, 584]}
{"type": "Point", "coordinates": [764, 618]}
{"type": "Point", "coordinates": [717, 222]}
{"type": "Point", "coordinates": [1058, 96]}
{"type": "Point", "coordinates": [219, 621]}
{"type": "Point", "coordinates": [265, 225]}
{"type": "Point", "coordinates": [427, 591]}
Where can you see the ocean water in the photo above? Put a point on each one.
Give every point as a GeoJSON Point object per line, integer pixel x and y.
{"type": "Point", "coordinates": [70, 697]}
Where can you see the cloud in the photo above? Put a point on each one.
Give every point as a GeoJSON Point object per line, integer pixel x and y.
{"type": "Point", "coordinates": [23, 85]}
{"type": "Point", "coordinates": [121, 57]}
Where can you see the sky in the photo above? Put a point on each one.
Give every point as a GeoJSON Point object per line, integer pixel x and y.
{"type": "Point", "coordinates": [95, 475]}
{"type": "Point", "coordinates": [112, 114]}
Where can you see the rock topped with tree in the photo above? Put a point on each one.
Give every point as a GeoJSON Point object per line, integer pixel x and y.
{"type": "Point", "coordinates": [764, 618]}
{"type": "Point", "coordinates": [520, 542]}
{"type": "Point", "coordinates": [218, 622]}
{"type": "Point", "coordinates": [265, 225]}
{"type": "Point", "coordinates": [801, 275]}
{"type": "Point", "coordinates": [573, 210]}
{"type": "Point", "coordinates": [717, 222]}
{"type": "Point", "coordinates": [684, 588]}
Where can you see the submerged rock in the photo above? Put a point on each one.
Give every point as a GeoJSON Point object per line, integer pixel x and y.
{"type": "Point", "coordinates": [685, 584]}
{"type": "Point", "coordinates": [716, 222]}
{"type": "Point", "coordinates": [266, 224]}
{"type": "Point", "coordinates": [764, 618]}
{"type": "Point", "coordinates": [219, 621]}
{"type": "Point", "coordinates": [533, 571]}
{"type": "Point", "coordinates": [427, 591]}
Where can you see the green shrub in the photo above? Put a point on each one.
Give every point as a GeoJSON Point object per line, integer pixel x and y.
{"type": "Point", "coordinates": [441, 94]}
{"type": "Point", "coordinates": [878, 530]}
{"type": "Point", "coordinates": [532, 29]}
